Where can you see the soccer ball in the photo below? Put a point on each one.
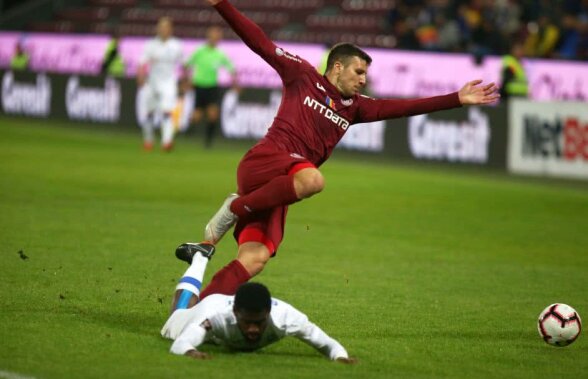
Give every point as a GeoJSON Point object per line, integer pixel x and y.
{"type": "Point", "coordinates": [559, 324]}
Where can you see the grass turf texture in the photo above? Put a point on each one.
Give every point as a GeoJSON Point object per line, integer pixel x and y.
{"type": "Point", "coordinates": [419, 272]}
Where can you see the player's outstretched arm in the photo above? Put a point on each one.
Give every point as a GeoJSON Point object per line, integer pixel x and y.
{"type": "Point", "coordinates": [472, 93]}
{"type": "Point", "coordinates": [382, 109]}
{"type": "Point", "coordinates": [296, 324]}
{"type": "Point", "coordinates": [257, 40]}
{"type": "Point", "coordinates": [347, 361]}
{"type": "Point", "coordinates": [246, 29]}
{"type": "Point", "coordinates": [197, 354]}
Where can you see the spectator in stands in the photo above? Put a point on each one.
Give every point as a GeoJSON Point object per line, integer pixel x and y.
{"type": "Point", "coordinates": [449, 37]}
{"type": "Point", "coordinates": [542, 38]}
{"type": "Point", "coordinates": [484, 27]}
{"type": "Point", "coordinates": [514, 77]}
{"type": "Point", "coordinates": [405, 36]}
{"type": "Point", "coordinates": [113, 63]}
{"type": "Point", "coordinates": [506, 15]}
{"type": "Point", "coordinates": [582, 51]}
{"type": "Point", "coordinates": [20, 59]}
{"type": "Point", "coordinates": [205, 63]}
{"type": "Point", "coordinates": [569, 38]}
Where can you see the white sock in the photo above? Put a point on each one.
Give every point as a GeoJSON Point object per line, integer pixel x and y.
{"type": "Point", "coordinates": [192, 279]}
{"type": "Point", "coordinates": [148, 129]}
{"type": "Point", "coordinates": [167, 130]}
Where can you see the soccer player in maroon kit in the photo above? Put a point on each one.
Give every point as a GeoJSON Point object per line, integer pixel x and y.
{"type": "Point", "coordinates": [282, 168]}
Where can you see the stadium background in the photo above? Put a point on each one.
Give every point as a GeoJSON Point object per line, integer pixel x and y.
{"type": "Point", "coordinates": [440, 272]}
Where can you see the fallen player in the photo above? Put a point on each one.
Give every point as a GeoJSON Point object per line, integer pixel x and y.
{"type": "Point", "coordinates": [247, 321]}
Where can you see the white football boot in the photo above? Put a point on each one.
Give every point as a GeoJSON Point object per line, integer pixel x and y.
{"type": "Point", "coordinates": [221, 222]}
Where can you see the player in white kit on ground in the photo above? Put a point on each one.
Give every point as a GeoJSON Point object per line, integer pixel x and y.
{"type": "Point", "coordinates": [158, 72]}
{"type": "Point", "coordinates": [247, 321]}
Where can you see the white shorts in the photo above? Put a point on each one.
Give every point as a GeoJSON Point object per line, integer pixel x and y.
{"type": "Point", "coordinates": [160, 97]}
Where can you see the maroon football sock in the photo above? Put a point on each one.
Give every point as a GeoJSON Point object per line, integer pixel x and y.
{"type": "Point", "coordinates": [227, 280]}
{"type": "Point", "coordinates": [278, 192]}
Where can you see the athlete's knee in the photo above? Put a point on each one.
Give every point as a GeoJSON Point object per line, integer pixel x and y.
{"type": "Point", "coordinates": [253, 256]}
{"type": "Point", "coordinates": [212, 113]}
{"type": "Point", "coordinates": [308, 182]}
{"type": "Point", "coordinates": [197, 115]}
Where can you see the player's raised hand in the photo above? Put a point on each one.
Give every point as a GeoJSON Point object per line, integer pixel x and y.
{"type": "Point", "coordinates": [473, 93]}
{"type": "Point", "coordinates": [347, 361]}
{"type": "Point", "coordinates": [197, 354]}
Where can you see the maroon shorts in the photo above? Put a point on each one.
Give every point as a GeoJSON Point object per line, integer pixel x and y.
{"type": "Point", "coordinates": [260, 165]}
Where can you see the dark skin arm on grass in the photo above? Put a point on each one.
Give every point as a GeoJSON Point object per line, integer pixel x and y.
{"type": "Point", "coordinates": [195, 354]}
{"type": "Point", "coordinates": [348, 361]}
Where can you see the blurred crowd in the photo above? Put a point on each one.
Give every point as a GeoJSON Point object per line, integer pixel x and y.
{"type": "Point", "coordinates": [546, 28]}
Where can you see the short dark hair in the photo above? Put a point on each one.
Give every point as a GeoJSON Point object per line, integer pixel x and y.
{"type": "Point", "coordinates": [253, 297]}
{"type": "Point", "coordinates": [343, 51]}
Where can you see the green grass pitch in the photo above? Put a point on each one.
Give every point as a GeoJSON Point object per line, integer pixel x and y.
{"type": "Point", "coordinates": [420, 272]}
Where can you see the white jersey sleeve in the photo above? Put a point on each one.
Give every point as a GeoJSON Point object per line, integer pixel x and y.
{"type": "Point", "coordinates": [179, 52]}
{"type": "Point", "coordinates": [295, 323]}
{"type": "Point", "coordinates": [192, 337]}
{"type": "Point", "coordinates": [184, 326]}
{"type": "Point", "coordinates": [147, 52]}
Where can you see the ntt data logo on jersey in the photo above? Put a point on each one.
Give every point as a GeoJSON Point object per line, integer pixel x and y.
{"type": "Point", "coordinates": [549, 139]}
{"type": "Point", "coordinates": [454, 141]}
{"type": "Point", "coordinates": [93, 103]}
{"type": "Point", "coordinates": [31, 99]}
{"type": "Point", "coordinates": [244, 119]}
{"type": "Point", "coordinates": [327, 112]}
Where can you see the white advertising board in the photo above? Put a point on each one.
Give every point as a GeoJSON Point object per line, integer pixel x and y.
{"type": "Point", "coordinates": [548, 138]}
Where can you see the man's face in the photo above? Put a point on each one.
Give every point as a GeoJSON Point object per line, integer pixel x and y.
{"type": "Point", "coordinates": [351, 76]}
{"type": "Point", "coordinates": [252, 324]}
{"type": "Point", "coordinates": [164, 28]}
{"type": "Point", "coordinates": [518, 51]}
{"type": "Point", "coordinates": [214, 35]}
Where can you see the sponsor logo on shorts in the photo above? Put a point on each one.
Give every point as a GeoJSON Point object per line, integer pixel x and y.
{"type": "Point", "coordinates": [327, 112]}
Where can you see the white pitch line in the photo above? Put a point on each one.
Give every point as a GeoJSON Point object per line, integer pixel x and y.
{"type": "Point", "coordinates": [14, 375]}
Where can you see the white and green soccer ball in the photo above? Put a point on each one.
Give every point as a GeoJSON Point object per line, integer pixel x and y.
{"type": "Point", "coordinates": [559, 324]}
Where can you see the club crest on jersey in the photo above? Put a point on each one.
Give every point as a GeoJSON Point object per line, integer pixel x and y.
{"type": "Point", "coordinates": [297, 156]}
{"type": "Point", "coordinates": [281, 53]}
{"type": "Point", "coordinates": [330, 103]}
